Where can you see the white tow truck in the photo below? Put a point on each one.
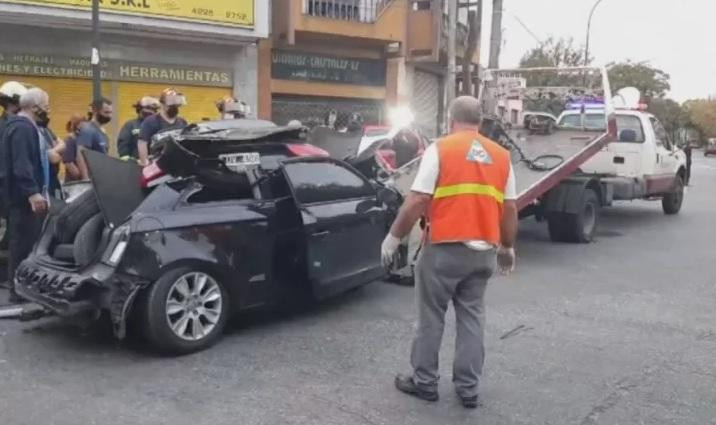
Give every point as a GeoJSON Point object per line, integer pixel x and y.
{"type": "Point", "coordinates": [601, 150]}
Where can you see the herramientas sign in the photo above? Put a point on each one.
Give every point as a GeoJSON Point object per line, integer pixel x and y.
{"type": "Point", "coordinates": [292, 65]}
{"type": "Point", "coordinates": [113, 70]}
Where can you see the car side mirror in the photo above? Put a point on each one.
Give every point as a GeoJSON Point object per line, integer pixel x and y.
{"type": "Point", "coordinates": [627, 135]}
{"type": "Point", "coordinates": [389, 197]}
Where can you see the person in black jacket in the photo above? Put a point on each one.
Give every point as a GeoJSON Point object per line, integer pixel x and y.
{"type": "Point", "coordinates": [129, 134]}
{"type": "Point", "coordinates": [24, 168]}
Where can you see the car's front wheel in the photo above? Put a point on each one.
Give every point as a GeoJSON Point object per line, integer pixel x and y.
{"type": "Point", "coordinates": [185, 311]}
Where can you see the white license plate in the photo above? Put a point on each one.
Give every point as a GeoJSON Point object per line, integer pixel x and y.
{"type": "Point", "coordinates": [239, 161]}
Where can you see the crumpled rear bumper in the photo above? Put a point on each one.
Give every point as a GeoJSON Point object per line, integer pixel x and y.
{"type": "Point", "coordinates": [68, 293]}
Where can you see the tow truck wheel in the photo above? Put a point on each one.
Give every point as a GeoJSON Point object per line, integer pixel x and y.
{"type": "Point", "coordinates": [577, 227]}
{"type": "Point", "coordinates": [185, 311]}
{"type": "Point", "coordinates": [671, 202]}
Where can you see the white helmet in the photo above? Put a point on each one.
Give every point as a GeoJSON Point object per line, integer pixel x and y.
{"type": "Point", "coordinates": [13, 90]}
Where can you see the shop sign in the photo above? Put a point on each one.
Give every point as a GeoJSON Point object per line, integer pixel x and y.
{"type": "Point", "coordinates": [291, 65]}
{"type": "Point", "coordinates": [238, 13]}
{"type": "Point", "coordinates": [113, 70]}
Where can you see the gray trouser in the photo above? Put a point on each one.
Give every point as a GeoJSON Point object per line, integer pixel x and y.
{"type": "Point", "coordinates": [454, 272]}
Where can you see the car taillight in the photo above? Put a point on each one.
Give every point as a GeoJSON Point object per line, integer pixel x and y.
{"type": "Point", "coordinates": [304, 149]}
{"type": "Point", "coordinates": [150, 173]}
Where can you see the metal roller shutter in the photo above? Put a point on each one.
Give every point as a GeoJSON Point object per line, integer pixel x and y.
{"type": "Point", "coordinates": [425, 102]}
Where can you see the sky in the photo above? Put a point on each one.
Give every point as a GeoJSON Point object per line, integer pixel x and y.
{"type": "Point", "coordinates": [676, 36]}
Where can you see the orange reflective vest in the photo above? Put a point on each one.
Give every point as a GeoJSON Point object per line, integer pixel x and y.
{"type": "Point", "coordinates": [468, 198]}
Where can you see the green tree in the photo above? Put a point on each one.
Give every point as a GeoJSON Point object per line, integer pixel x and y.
{"type": "Point", "coordinates": [554, 53]}
{"type": "Point", "coordinates": [702, 115]}
{"type": "Point", "coordinates": [652, 82]}
{"type": "Point", "coordinates": [671, 114]}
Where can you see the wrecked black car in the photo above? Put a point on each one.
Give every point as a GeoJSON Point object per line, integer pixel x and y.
{"type": "Point", "coordinates": [253, 216]}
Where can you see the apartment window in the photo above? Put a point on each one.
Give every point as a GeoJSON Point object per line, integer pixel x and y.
{"type": "Point", "coordinates": [422, 5]}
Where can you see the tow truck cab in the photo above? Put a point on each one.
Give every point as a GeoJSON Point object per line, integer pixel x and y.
{"type": "Point", "coordinates": [641, 163]}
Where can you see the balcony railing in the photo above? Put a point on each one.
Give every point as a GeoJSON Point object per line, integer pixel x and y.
{"type": "Point", "coordinates": [367, 11]}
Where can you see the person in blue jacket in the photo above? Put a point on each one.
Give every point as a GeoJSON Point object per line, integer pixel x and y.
{"type": "Point", "coordinates": [25, 173]}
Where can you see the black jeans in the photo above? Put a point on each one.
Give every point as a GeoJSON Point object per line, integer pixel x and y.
{"type": "Point", "coordinates": [24, 227]}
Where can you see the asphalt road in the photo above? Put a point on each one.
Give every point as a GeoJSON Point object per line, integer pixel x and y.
{"type": "Point", "coordinates": [622, 331]}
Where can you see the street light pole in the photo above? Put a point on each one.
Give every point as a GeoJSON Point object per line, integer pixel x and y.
{"type": "Point", "coordinates": [95, 59]}
{"type": "Point", "coordinates": [589, 27]}
{"type": "Point", "coordinates": [451, 51]}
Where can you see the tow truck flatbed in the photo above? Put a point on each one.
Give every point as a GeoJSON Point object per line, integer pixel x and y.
{"type": "Point", "coordinates": [575, 147]}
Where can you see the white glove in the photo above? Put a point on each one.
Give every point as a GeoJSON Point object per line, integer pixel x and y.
{"type": "Point", "coordinates": [505, 260]}
{"type": "Point", "coordinates": [388, 248]}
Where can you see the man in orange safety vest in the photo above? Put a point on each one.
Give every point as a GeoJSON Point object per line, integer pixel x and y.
{"type": "Point", "coordinates": [466, 188]}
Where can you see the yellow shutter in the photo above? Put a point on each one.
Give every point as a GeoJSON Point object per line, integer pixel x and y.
{"type": "Point", "coordinates": [70, 96]}
{"type": "Point", "coordinates": [67, 97]}
{"type": "Point", "coordinates": [201, 100]}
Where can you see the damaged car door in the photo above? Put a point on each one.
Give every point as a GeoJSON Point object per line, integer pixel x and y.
{"type": "Point", "coordinates": [344, 223]}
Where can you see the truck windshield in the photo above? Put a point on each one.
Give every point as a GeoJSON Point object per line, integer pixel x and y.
{"type": "Point", "coordinates": [591, 121]}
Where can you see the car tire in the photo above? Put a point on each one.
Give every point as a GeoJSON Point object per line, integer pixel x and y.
{"type": "Point", "coordinates": [87, 240]}
{"type": "Point", "coordinates": [577, 227]}
{"type": "Point", "coordinates": [671, 202]}
{"type": "Point", "coordinates": [74, 215]}
{"type": "Point", "coordinates": [176, 311]}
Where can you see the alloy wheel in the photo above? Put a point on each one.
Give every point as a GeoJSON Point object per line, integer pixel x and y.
{"type": "Point", "coordinates": [193, 306]}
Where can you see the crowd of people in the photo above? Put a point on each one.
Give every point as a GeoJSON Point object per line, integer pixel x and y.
{"type": "Point", "coordinates": [31, 155]}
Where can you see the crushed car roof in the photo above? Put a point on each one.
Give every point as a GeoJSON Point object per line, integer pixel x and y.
{"type": "Point", "coordinates": [238, 129]}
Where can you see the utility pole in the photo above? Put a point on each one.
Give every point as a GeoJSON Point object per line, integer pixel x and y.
{"type": "Point", "coordinates": [95, 58]}
{"type": "Point", "coordinates": [496, 34]}
{"type": "Point", "coordinates": [473, 41]}
{"type": "Point", "coordinates": [452, 30]}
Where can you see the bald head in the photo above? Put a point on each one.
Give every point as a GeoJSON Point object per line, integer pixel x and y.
{"type": "Point", "coordinates": [464, 112]}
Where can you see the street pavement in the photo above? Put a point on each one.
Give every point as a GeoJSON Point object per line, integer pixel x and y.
{"type": "Point", "coordinates": [621, 331]}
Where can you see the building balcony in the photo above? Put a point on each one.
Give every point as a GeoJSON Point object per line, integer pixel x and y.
{"type": "Point", "coordinates": [368, 22]}
{"type": "Point", "coordinates": [427, 38]}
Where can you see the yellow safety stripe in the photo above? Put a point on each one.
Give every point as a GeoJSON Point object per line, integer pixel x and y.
{"type": "Point", "coordinates": [469, 189]}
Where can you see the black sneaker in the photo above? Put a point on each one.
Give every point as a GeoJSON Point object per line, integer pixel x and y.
{"type": "Point", "coordinates": [406, 384]}
{"type": "Point", "coordinates": [469, 402]}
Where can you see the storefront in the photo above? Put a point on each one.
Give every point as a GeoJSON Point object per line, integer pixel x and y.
{"type": "Point", "coordinates": [306, 85]}
{"type": "Point", "coordinates": [204, 58]}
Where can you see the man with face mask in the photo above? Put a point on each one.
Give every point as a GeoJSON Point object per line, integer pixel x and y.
{"type": "Point", "coordinates": [167, 119]}
{"type": "Point", "coordinates": [92, 135]}
{"type": "Point", "coordinates": [129, 134]}
{"type": "Point", "coordinates": [23, 165]}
